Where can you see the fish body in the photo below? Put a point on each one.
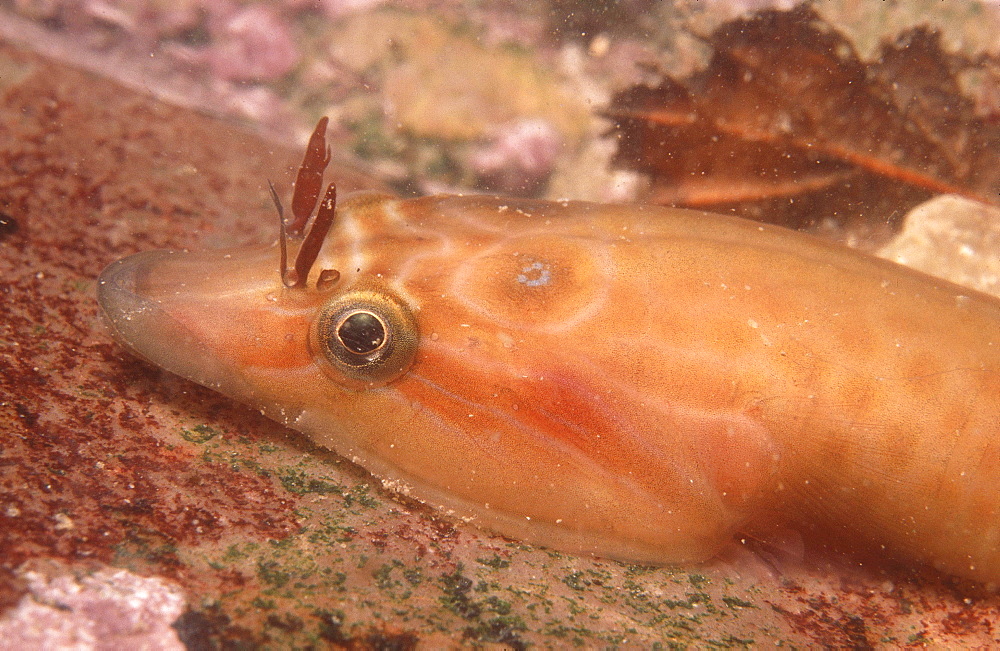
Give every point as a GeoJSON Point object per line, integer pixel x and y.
{"type": "Point", "coordinates": [636, 382]}
{"type": "Point", "coordinates": [630, 381]}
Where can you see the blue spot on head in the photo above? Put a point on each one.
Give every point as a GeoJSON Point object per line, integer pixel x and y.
{"type": "Point", "coordinates": [534, 275]}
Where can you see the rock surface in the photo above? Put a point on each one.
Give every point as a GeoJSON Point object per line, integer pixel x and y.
{"type": "Point", "coordinates": [109, 464]}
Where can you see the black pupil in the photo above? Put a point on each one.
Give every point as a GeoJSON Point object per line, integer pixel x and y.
{"type": "Point", "coordinates": [361, 333]}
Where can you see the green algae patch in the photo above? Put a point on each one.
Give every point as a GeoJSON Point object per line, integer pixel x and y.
{"type": "Point", "coordinates": [199, 434]}
{"type": "Point", "coordinates": [495, 562]}
{"type": "Point", "coordinates": [298, 482]}
{"type": "Point", "coordinates": [489, 616]}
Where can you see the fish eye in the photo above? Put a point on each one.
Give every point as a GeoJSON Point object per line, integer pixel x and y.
{"type": "Point", "coordinates": [361, 332]}
{"type": "Point", "coordinates": [367, 337]}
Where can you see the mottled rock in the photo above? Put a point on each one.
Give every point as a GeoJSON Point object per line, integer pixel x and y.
{"type": "Point", "coordinates": [106, 608]}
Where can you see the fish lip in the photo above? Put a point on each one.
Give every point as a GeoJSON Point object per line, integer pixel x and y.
{"type": "Point", "coordinates": [138, 322]}
{"type": "Point", "coordinates": [123, 306]}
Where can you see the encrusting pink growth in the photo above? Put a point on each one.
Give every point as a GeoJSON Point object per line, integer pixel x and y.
{"type": "Point", "coordinates": [103, 609]}
{"type": "Point", "coordinates": [252, 44]}
{"type": "Point", "coordinates": [637, 382]}
{"type": "Point", "coordinates": [519, 158]}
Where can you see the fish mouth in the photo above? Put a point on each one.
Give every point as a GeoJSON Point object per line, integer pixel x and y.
{"type": "Point", "coordinates": [134, 294]}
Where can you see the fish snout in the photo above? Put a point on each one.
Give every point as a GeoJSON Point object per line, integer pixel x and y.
{"type": "Point", "coordinates": [135, 295]}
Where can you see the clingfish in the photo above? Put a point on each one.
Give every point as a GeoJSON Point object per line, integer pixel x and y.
{"type": "Point", "coordinates": [637, 382]}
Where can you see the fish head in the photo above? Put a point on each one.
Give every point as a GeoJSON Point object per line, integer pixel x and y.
{"type": "Point", "coordinates": [459, 356]}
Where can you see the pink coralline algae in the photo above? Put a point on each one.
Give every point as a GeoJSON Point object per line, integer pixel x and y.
{"type": "Point", "coordinates": [109, 609]}
{"type": "Point", "coordinates": [338, 8]}
{"type": "Point", "coordinates": [252, 44]}
{"type": "Point", "coordinates": [520, 158]}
